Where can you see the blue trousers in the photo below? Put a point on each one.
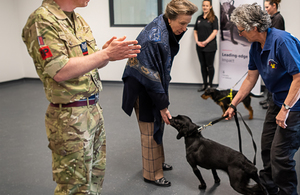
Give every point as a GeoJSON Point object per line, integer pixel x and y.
{"type": "Point", "coordinates": [278, 147]}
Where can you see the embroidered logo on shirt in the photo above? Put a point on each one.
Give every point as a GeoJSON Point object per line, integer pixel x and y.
{"type": "Point", "coordinates": [84, 48]}
{"type": "Point", "coordinates": [45, 52]}
{"type": "Point", "coordinates": [272, 64]}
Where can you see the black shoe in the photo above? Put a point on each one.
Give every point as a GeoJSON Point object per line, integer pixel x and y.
{"type": "Point", "coordinates": [263, 102]}
{"type": "Point", "coordinates": [160, 182]}
{"type": "Point", "coordinates": [265, 106]}
{"type": "Point", "coordinates": [202, 88]}
{"type": "Point", "coordinates": [167, 167]}
{"type": "Point", "coordinates": [258, 191]}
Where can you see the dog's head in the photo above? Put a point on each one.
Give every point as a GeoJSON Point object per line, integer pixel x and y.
{"type": "Point", "coordinates": [209, 93]}
{"type": "Point", "coordinates": [184, 126]}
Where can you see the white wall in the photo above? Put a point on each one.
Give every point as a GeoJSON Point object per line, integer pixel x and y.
{"type": "Point", "coordinates": [16, 63]}
{"type": "Point", "coordinates": [24, 10]}
{"type": "Point", "coordinates": [11, 64]}
{"type": "Point", "coordinates": [290, 12]}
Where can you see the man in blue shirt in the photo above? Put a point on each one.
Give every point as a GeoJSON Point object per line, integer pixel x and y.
{"type": "Point", "coordinates": [275, 55]}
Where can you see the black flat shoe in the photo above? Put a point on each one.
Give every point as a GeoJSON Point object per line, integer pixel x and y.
{"type": "Point", "coordinates": [160, 182]}
{"type": "Point", "coordinates": [258, 191]}
{"type": "Point", "coordinates": [202, 88]}
{"type": "Point", "coordinates": [167, 167]}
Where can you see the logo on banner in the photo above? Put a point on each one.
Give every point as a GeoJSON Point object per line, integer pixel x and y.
{"type": "Point", "coordinates": [45, 52]}
{"type": "Point", "coordinates": [84, 48]}
{"type": "Point", "coordinates": [272, 64]}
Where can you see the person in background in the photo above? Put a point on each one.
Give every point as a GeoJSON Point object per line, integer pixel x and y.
{"type": "Point", "coordinates": [205, 32]}
{"type": "Point", "coordinates": [271, 6]}
{"type": "Point", "coordinates": [146, 81]}
{"type": "Point", "coordinates": [275, 55]}
{"type": "Point", "coordinates": [67, 60]}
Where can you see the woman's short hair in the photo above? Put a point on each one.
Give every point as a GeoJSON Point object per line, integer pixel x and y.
{"type": "Point", "coordinates": [249, 16]}
{"type": "Point", "coordinates": [177, 7]}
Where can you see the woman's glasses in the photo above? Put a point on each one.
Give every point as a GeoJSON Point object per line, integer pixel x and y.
{"type": "Point", "coordinates": [240, 31]}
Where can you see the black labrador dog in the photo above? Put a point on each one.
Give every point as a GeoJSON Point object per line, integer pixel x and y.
{"type": "Point", "coordinates": [212, 155]}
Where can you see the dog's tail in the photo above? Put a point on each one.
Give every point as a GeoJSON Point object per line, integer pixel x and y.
{"type": "Point", "coordinates": [256, 96]}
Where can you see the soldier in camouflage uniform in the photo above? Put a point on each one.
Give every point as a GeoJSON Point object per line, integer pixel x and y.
{"type": "Point", "coordinates": [66, 58]}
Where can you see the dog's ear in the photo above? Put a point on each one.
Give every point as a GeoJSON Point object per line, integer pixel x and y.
{"type": "Point", "coordinates": [183, 132]}
{"type": "Point", "coordinates": [192, 126]}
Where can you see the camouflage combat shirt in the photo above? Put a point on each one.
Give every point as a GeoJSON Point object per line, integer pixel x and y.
{"type": "Point", "coordinates": [52, 39]}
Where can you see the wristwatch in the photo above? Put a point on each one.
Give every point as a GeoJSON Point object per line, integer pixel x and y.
{"type": "Point", "coordinates": [232, 106]}
{"type": "Point", "coordinates": [286, 106]}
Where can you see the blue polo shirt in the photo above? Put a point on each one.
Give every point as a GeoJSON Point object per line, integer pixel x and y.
{"type": "Point", "coordinates": [277, 62]}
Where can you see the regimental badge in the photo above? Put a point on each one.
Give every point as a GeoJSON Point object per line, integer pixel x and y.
{"type": "Point", "coordinates": [45, 52]}
{"type": "Point", "coordinates": [84, 48]}
{"type": "Point", "coordinates": [273, 64]}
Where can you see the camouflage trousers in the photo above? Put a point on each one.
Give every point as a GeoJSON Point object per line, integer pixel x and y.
{"type": "Point", "coordinates": [77, 139]}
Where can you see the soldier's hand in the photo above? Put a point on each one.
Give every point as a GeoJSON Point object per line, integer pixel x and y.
{"type": "Point", "coordinates": [108, 42]}
{"type": "Point", "coordinates": [119, 49]}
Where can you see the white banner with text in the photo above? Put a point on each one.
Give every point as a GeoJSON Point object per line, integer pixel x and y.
{"type": "Point", "coordinates": [234, 49]}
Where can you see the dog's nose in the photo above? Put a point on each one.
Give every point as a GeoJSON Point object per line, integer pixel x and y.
{"type": "Point", "coordinates": [171, 120]}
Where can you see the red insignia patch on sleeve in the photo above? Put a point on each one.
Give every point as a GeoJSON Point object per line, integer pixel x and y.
{"type": "Point", "coordinates": [45, 52]}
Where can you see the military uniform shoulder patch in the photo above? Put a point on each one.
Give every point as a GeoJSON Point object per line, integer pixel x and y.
{"type": "Point", "coordinates": [45, 52]}
{"type": "Point", "coordinates": [84, 48]}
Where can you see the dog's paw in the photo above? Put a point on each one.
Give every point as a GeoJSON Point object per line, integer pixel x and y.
{"type": "Point", "coordinates": [202, 186]}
